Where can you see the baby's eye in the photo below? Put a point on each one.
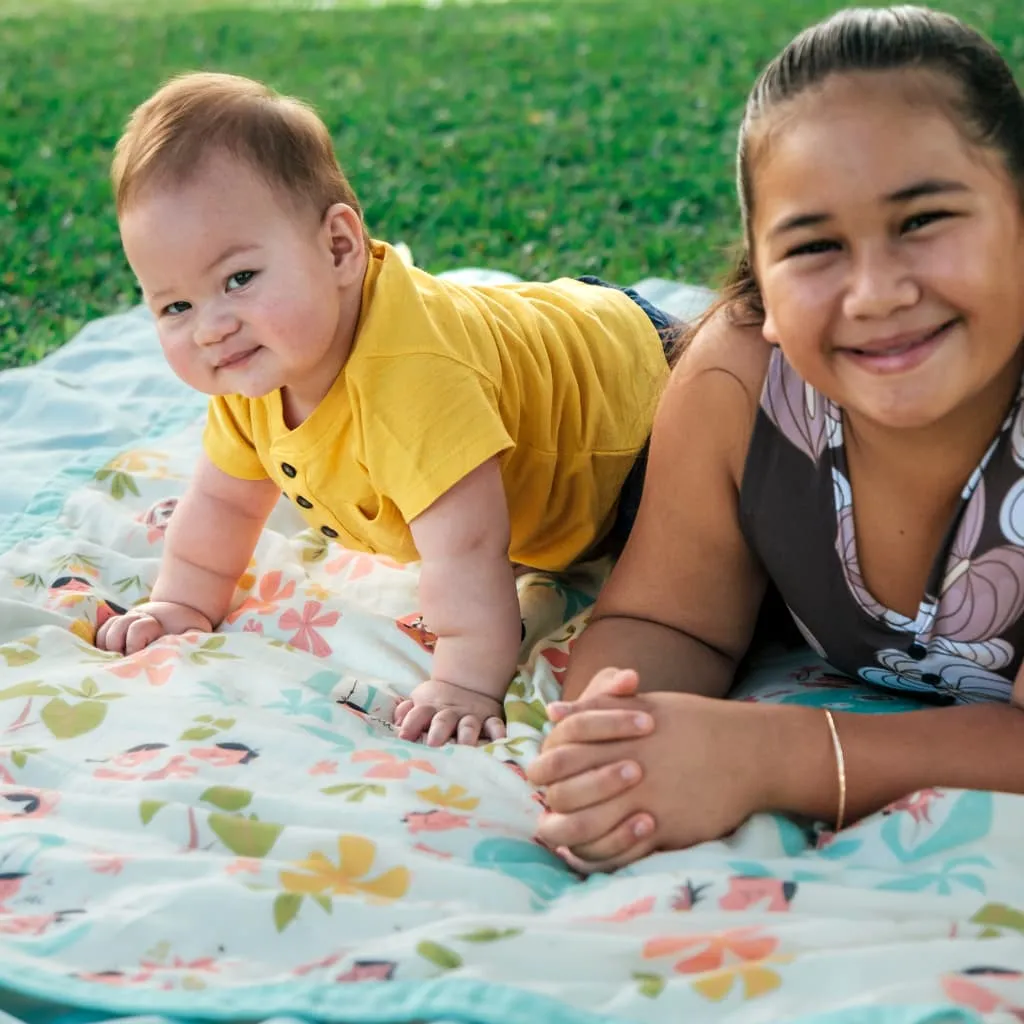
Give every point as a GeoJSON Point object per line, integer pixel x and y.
{"type": "Point", "coordinates": [922, 220]}
{"type": "Point", "coordinates": [175, 308]}
{"type": "Point", "coordinates": [814, 248]}
{"type": "Point", "coordinates": [239, 280]}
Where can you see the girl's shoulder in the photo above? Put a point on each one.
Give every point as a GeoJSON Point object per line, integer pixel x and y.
{"type": "Point", "coordinates": [722, 371]}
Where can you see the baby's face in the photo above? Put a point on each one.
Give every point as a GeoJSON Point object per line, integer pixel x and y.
{"type": "Point", "coordinates": [242, 283]}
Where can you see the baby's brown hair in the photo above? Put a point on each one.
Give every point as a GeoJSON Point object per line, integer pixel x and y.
{"type": "Point", "coordinates": [194, 115]}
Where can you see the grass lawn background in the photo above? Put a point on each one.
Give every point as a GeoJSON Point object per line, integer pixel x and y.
{"type": "Point", "coordinates": [545, 138]}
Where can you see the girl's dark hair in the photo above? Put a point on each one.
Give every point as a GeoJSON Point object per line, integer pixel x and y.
{"type": "Point", "coordinates": [986, 99]}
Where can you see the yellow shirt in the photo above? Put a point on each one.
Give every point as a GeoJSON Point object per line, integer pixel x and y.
{"type": "Point", "coordinates": [558, 380]}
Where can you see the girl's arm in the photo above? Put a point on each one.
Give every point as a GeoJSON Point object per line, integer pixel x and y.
{"type": "Point", "coordinates": [888, 756]}
{"type": "Point", "coordinates": [681, 603]}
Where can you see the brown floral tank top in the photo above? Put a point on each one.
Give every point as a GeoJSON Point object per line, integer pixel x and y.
{"type": "Point", "coordinates": [796, 512]}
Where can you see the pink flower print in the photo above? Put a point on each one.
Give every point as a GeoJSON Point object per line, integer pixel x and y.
{"type": "Point", "coordinates": [156, 518]}
{"type": "Point", "coordinates": [981, 597]}
{"type": "Point", "coordinates": [804, 417]}
{"type": "Point", "coordinates": [319, 965]}
{"type": "Point", "coordinates": [638, 908]}
{"type": "Point", "coordinates": [153, 661]}
{"type": "Point", "coordinates": [307, 638]}
{"type": "Point", "coordinates": [846, 547]}
{"type": "Point", "coordinates": [252, 626]}
{"type": "Point", "coordinates": [389, 766]}
{"type": "Point", "coordinates": [107, 864]}
{"type": "Point", "coordinates": [244, 866]}
{"type": "Point", "coordinates": [431, 852]}
{"type": "Point", "coordinates": [177, 768]}
{"type": "Point", "coordinates": [270, 595]}
{"type": "Point", "coordinates": [361, 564]}
{"type": "Point", "coordinates": [917, 805]}
{"type": "Point", "coordinates": [324, 768]}
{"type": "Point", "coordinates": [964, 992]}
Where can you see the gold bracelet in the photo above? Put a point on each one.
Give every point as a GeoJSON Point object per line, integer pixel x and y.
{"type": "Point", "coordinates": [840, 769]}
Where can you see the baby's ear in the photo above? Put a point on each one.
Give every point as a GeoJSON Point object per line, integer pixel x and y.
{"type": "Point", "coordinates": [344, 235]}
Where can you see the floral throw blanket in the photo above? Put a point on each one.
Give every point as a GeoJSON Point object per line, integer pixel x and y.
{"type": "Point", "coordinates": [227, 827]}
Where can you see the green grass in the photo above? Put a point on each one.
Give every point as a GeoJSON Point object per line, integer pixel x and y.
{"type": "Point", "coordinates": [546, 138]}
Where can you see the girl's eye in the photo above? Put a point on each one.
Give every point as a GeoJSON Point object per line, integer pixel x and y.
{"type": "Point", "coordinates": [239, 280]}
{"type": "Point", "coordinates": [814, 248]}
{"type": "Point", "coordinates": [922, 220]}
{"type": "Point", "coordinates": [175, 308]}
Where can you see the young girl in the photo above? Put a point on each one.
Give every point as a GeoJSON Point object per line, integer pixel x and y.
{"type": "Point", "coordinates": [846, 425]}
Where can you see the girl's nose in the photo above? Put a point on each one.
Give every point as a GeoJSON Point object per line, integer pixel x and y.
{"type": "Point", "coordinates": [880, 284]}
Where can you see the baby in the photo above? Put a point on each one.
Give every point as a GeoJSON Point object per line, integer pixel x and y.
{"type": "Point", "coordinates": [475, 429]}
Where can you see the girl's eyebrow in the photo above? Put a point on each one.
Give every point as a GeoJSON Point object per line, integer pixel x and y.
{"type": "Point", "coordinates": [919, 189]}
{"type": "Point", "coordinates": [801, 220]}
{"type": "Point", "coordinates": [928, 187]}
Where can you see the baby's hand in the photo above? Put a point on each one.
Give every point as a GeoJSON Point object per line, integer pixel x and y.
{"type": "Point", "coordinates": [141, 625]}
{"type": "Point", "coordinates": [444, 710]}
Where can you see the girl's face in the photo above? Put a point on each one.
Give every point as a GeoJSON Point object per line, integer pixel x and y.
{"type": "Point", "coordinates": [889, 251]}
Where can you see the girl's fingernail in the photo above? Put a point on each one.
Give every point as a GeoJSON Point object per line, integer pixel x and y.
{"type": "Point", "coordinates": [643, 722]}
{"type": "Point", "coordinates": [630, 772]}
{"type": "Point", "coordinates": [642, 828]}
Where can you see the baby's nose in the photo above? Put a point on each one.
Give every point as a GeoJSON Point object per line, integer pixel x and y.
{"type": "Point", "coordinates": [214, 327]}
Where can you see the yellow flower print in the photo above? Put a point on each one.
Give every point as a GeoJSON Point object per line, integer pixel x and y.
{"type": "Point", "coordinates": [139, 461]}
{"type": "Point", "coordinates": [320, 875]}
{"type": "Point", "coordinates": [723, 958]}
{"type": "Point", "coordinates": [756, 978]}
{"type": "Point", "coordinates": [453, 796]}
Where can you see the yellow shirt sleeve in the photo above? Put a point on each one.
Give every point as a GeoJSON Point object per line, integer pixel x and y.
{"type": "Point", "coordinates": [228, 438]}
{"type": "Point", "coordinates": [427, 421]}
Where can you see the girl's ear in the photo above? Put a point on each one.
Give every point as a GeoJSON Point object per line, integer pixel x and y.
{"type": "Point", "coordinates": [345, 238]}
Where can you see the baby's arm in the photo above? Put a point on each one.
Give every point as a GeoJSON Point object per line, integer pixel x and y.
{"type": "Point", "coordinates": [209, 541]}
{"type": "Point", "coordinates": [469, 600]}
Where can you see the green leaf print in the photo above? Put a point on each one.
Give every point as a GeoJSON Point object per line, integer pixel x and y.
{"type": "Point", "coordinates": [75, 564]}
{"type": "Point", "coordinates": [649, 985]}
{"type": "Point", "coordinates": [148, 809]}
{"type": "Point", "coordinates": [201, 657]}
{"type": "Point", "coordinates": [120, 483]}
{"type": "Point", "coordinates": [20, 756]}
{"type": "Point", "coordinates": [323, 902]}
{"type": "Point", "coordinates": [314, 547]}
{"type": "Point", "coordinates": [244, 836]}
{"type": "Point", "coordinates": [208, 726]}
{"type": "Point", "coordinates": [215, 643]}
{"type": "Point", "coordinates": [357, 791]}
{"type": "Point", "coordinates": [441, 956]}
{"type": "Point", "coordinates": [17, 656]}
{"type": "Point", "coordinates": [66, 721]}
{"type": "Point", "coordinates": [490, 935]}
{"type": "Point", "coordinates": [286, 906]}
{"type": "Point", "coordinates": [227, 798]}
{"type": "Point", "coordinates": [533, 714]}
{"type": "Point", "coordinates": [997, 917]}
{"type": "Point", "coordinates": [128, 583]}
{"type": "Point", "coordinates": [36, 688]}
{"type": "Point", "coordinates": [195, 735]}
